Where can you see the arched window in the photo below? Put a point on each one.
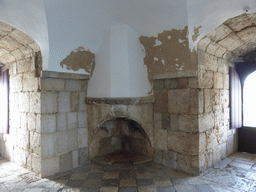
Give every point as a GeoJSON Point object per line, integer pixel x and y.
{"type": "Point", "coordinates": [249, 101]}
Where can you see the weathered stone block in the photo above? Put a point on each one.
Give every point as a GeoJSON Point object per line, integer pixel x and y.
{"type": "Point", "coordinates": [82, 137]}
{"type": "Point", "coordinates": [31, 121]}
{"type": "Point", "coordinates": [23, 65]}
{"type": "Point", "coordinates": [64, 102]}
{"type": "Point", "coordinates": [72, 120]}
{"type": "Point", "coordinates": [185, 143]}
{"type": "Point", "coordinates": [66, 162]}
{"type": "Point", "coordinates": [183, 83]}
{"type": "Point", "coordinates": [202, 143]}
{"type": "Point", "coordinates": [30, 82]}
{"type": "Point", "coordinates": [36, 164]}
{"type": "Point", "coordinates": [19, 156]}
{"type": "Point", "coordinates": [48, 124]}
{"type": "Point", "coordinates": [203, 43]}
{"type": "Point", "coordinates": [206, 81]}
{"type": "Point", "coordinates": [158, 156]}
{"type": "Point", "coordinates": [210, 62]}
{"type": "Point", "coordinates": [174, 122]}
{"type": "Point", "coordinates": [157, 121]}
{"type": "Point", "coordinates": [226, 81]}
{"type": "Point", "coordinates": [166, 121]}
{"type": "Point", "coordinates": [240, 22]}
{"type": "Point", "coordinates": [82, 119]}
{"type": "Point", "coordinates": [217, 155]}
{"type": "Point", "coordinates": [206, 121]}
{"type": "Point", "coordinates": [160, 139]}
{"type": "Point", "coordinates": [218, 81]}
{"type": "Point", "coordinates": [74, 101]}
{"type": "Point", "coordinates": [73, 85]}
{"type": "Point", "coordinates": [223, 66]}
{"type": "Point", "coordinates": [72, 139]}
{"type": "Point", "coordinates": [212, 47]}
{"type": "Point", "coordinates": [188, 123]}
{"type": "Point", "coordinates": [49, 102]}
{"type": "Point", "coordinates": [170, 159]}
{"type": "Point", "coordinates": [183, 101]}
{"type": "Point", "coordinates": [219, 118]}
{"type": "Point", "coordinates": [220, 52]}
{"type": "Point", "coordinates": [61, 121]}
{"type": "Point", "coordinates": [52, 84]}
{"type": "Point", "coordinates": [158, 84]}
{"type": "Point", "coordinates": [75, 159]}
{"type": "Point", "coordinates": [82, 105]}
{"type": "Point", "coordinates": [50, 166]}
{"type": "Point", "coordinates": [224, 98]}
{"type": "Point", "coordinates": [207, 100]}
{"type": "Point", "coordinates": [171, 84]}
{"type": "Point", "coordinates": [35, 143]}
{"type": "Point", "coordinates": [119, 110]}
{"type": "Point", "coordinates": [230, 145]}
{"type": "Point", "coordinates": [62, 142]}
{"type": "Point", "coordinates": [222, 134]}
{"type": "Point", "coordinates": [161, 103]}
{"type": "Point", "coordinates": [188, 164]}
{"type": "Point", "coordinates": [24, 102]}
{"type": "Point", "coordinates": [231, 42]}
{"type": "Point", "coordinates": [35, 102]}
{"type": "Point", "coordinates": [211, 139]}
{"type": "Point", "coordinates": [223, 150]}
{"type": "Point", "coordinates": [48, 145]}
{"type": "Point", "coordinates": [83, 156]}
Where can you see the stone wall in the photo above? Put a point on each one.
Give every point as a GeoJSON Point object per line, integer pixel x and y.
{"type": "Point", "coordinates": [63, 122]}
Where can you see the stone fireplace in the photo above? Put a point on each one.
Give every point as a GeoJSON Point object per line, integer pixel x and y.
{"type": "Point", "coordinates": [120, 130]}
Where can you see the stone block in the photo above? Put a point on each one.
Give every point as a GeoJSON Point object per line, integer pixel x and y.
{"type": "Point", "coordinates": [183, 83]}
{"type": "Point", "coordinates": [75, 159]}
{"type": "Point", "coordinates": [226, 81]}
{"type": "Point", "coordinates": [223, 65]}
{"type": "Point", "coordinates": [188, 123]}
{"type": "Point", "coordinates": [248, 35]}
{"type": "Point", "coordinates": [231, 42]}
{"type": "Point", "coordinates": [50, 166]}
{"type": "Point", "coordinates": [82, 137]}
{"type": "Point", "coordinates": [72, 120]}
{"type": "Point", "coordinates": [19, 156]}
{"type": "Point", "coordinates": [48, 123]}
{"type": "Point", "coordinates": [219, 33]}
{"type": "Point", "coordinates": [211, 139]}
{"type": "Point", "coordinates": [72, 139]}
{"type": "Point", "coordinates": [216, 155]}
{"type": "Point", "coordinates": [207, 100]}
{"type": "Point", "coordinates": [183, 101]}
{"type": "Point", "coordinates": [35, 143]}
{"type": "Point", "coordinates": [24, 102]}
{"type": "Point", "coordinates": [158, 84]}
{"type": "Point", "coordinates": [35, 102]}
{"type": "Point", "coordinates": [209, 159]}
{"type": "Point", "coordinates": [220, 52]}
{"type": "Point", "coordinates": [66, 162]}
{"type": "Point", "coordinates": [203, 43]}
{"type": "Point", "coordinates": [223, 150]}
{"type": "Point", "coordinates": [119, 110]}
{"type": "Point", "coordinates": [161, 103]}
{"type": "Point", "coordinates": [23, 121]}
{"type": "Point", "coordinates": [202, 143]}
{"type": "Point", "coordinates": [218, 81]}
{"type": "Point", "coordinates": [222, 134]}
{"type": "Point", "coordinates": [23, 65]}
{"type": "Point", "coordinates": [61, 121]}
{"type": "Point", "coordinates": [36, 164]}
{"type": "Point", "coordinates": [73, 85]}
{"type": "Point", "coordinates": [206, 121]}
{"type": "Point", "coordinates": [83, 156]}
{"type": "Point", "coordinates": [74, 101]}
{"type": "Point", "coordinates": [84, 85]}
{"type": "Point", "coordinates": [48, 145]}
{"type": "Point", "coordinates": [160, 139]}
{"type": "Point", "coordinates": [185, 143]}
{"type": "Point", "coordinates": [49, 102]}
{"type": "Point", "coordinates": [64, 102]}
{"type": "Point", "coordinates": [206, 81]}
{"type": "Point", "coordinates": [200, 101]}
{"type": "Point", "coordinates": [82, 105]}
{"type": "Point", "coordinates": [174, 122]}
{"type": "Point", "coordinates": [158, 156]}
{"type": "Point", "coordinates": [62, 142]}
{"type": "Point", "coordinates": [166, 121]}
{"type": "Point", "coordinates": [188, 164]}
{"type": "Point", "coordinates": [224, 98]}
{"type": "Point", "coordinates": [219, 118]}
{"type": "Point", "coordinates": [31, 121]}
{"type": "Point", "coordinates": [226, 116]}
{"type": "Point", "coordinates": [52, 84]}
{"type": "Point", "coordinates": [230, 145]}
{"type": "Point", "coordinates": [212, 47]}
{"type": "Point", "coordinates": [157, 121]}
{"type": "Point", "coordinates": [171, 84]}
{"type": "Point", "coordinates": [210, 62]}
{"type": "Point", "coordinates": [30, 82]}
{"type": "Point", "coordinates": [170, 159]}
{"type": "Point", "coordinates": [82, 119]}
{"type": "Point", "coordinates": [239, 23]}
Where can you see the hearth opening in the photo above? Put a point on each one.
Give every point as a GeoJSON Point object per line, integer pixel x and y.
{"type": "Point", "coordinates": [121, 140]}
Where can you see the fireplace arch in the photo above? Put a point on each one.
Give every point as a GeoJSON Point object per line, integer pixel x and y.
{"type": "Point", "coordinates": [121, 140]}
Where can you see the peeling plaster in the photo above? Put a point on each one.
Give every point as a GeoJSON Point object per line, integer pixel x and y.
{"type": "Point", "coordinates": [196, 33]}
{"type": "Point", "coordinates": [80, 59]}
{"type": "Point", "coordinates": [171, 55]}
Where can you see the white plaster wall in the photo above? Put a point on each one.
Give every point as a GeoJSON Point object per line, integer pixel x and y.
{"type": "Point", "coordinates": [29, 17]}
{"type": "Point", "coordinates": [211, 13]}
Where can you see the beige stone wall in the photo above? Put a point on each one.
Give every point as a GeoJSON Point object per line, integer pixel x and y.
{"type": "Point", "coordinates": [62, 122]}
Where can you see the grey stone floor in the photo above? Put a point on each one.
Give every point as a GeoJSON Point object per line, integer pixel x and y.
{"type": "Point", "coordinates": [235, 173]}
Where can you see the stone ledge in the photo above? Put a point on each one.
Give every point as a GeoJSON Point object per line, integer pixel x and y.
{"type": "Point", "coordinates": [60, 75]}
{"type": "Point", "coordinates": [190, 73]}
{"type": "Point", "coordinates": [120, 100]}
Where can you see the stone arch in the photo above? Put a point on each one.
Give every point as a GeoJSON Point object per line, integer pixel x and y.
{"type": "Point", "coordinates": [21, 55]}
{"type": "Point", "coordinates": [120, 135]}
{"type": "Point", "coordinates": [217, 51]}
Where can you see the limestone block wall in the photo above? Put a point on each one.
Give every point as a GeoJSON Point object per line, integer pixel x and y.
{"type": "Point", "coordinates": [62, 122]}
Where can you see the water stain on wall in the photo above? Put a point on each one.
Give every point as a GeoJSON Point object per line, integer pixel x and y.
{"type": "Point", "coordinates": [80, 59]}
{"type": "Point", "coordinates": [196, 33]}
{"type": "Point", "coordinates": [168, 52]}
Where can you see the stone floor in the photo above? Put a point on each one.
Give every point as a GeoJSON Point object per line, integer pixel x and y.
{"type": "Point", "coordinates": [235, 173]}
